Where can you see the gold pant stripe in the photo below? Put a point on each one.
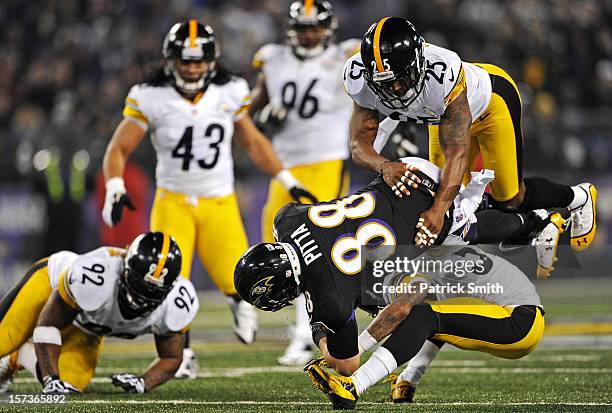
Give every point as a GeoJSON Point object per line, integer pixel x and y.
{"type": "Point", "coordinates": [211, 226]}
{"type": "Point", "coordinates": [325, 180]}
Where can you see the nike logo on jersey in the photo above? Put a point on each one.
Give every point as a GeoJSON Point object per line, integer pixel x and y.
{"type": "Point", "coordinates": [452, 78]}
{"type": "Point", "coordinates": [484, 116]}
{"type": "Point", "coordinates": [306, 243]}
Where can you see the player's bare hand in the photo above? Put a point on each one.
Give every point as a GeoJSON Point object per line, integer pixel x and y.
{"type": "Point", "coordinates": [400, 177]}
{"type": "Point", "coordinates": [428, 227]}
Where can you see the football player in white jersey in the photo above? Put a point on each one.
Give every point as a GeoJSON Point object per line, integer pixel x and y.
{"type": "Point", "coordinates": [193, 109]}
{"type": "Point", "coordinates": [493, 308]}
{"type": "Point", "coordinates": [299, 99]}
{"type": "Point", "coordinates": [469, 108]}
{"type": "Point", "coordinates": [67, 303]}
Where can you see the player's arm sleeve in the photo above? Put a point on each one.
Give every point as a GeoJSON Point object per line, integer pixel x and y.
{"type": "Point", "coordinates": [181, 307]}
{"type": "Point", "coordinates": [135, 107]}
{"type": "Point", "coordinates": [355, 84]}
{"type": "Point", "coordinates": [241, 98]}
{"type": "Point", "coordinates": [454, 80]}
{"type": "Point", "coordinates": [341, 341]}
{"type": "Point", "coordinates": [64, 291]}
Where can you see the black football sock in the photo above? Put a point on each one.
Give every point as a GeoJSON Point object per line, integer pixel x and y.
{"type": "Point", "coordinates": [408, 338]}
{"type": "Point", "coordinates": [540, 193]}
{"type": "Point", "coordinates": [494, 226]}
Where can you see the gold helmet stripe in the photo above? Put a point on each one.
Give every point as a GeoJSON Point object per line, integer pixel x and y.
{"type": "Point", "coordinates": [379, 64]}
{"type": "Point", "coordinates": [308, 7]}
{"type": "Point", "coordinates": [193, 33]}
{"type": "Point", "coordinates": [163, 255]}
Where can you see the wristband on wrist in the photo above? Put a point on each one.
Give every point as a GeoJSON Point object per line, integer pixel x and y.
{"type": "Point", "coordinates": [115, 184]}
{"type": "Point", "coordinates": [286, 179]}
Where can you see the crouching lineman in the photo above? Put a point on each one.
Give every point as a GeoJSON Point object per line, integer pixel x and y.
{"type": "Point", "coordinates": [67, 303]}
{"type": "Point", "coordinates": [502, 315]}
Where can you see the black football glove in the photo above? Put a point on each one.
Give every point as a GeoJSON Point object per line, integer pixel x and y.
{"type": "Point", "coordinates": [302, 196]}
{"type": "Point", "coordinates": [271, 119]}
{"type": "Point", "coordinates": [116, 198]}
{"type": "Point", "coordinates": [130, 383]}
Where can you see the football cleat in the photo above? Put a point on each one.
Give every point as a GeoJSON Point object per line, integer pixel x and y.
{"type": "Point", "coordinates": [546, 245]}
{"type": "Point", "coordinates": [299, 351]}
{"type": "Point", "coordinates": [244, 320]}
{"type": "Point", "coordinates": [340, 390]}
{"type": "Point", "coordinates": [189, 366]}
{"type": "Point", "coordinates": [8, 368]}
{"type": "Point", "coordinates": [401, 391]}
{"type": "Point", "coordinates": [584, 220]}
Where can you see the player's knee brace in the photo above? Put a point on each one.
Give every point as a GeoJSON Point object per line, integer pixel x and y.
{"type": "Point", "coordinates": [408, 338]}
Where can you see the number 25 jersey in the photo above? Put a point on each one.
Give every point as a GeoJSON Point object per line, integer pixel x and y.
{"type": "Point", "coordinates": [192, 138]}
{"type": "Point", "coordinates": [446, 76]}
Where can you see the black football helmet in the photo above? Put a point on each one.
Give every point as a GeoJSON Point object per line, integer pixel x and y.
{"type": "Point", "coordinates": [392, 53]}
{"type": "Point", "coordinates": [151, 267]}
{"type": "Point", "coordinates": [267, 275]}
{"type": "Point", "coordinates": [308, 13]}
{"type": "Point", "coordinates": [190, 41]}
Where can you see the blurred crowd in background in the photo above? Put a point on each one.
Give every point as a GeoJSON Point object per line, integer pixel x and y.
{"type": "Point", "coordinates": [68, 64]}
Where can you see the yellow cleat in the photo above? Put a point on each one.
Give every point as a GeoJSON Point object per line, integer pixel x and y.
{"type": "Point", "coordinates": [584, 220]}
{"type": "Point", "coordinates": [340, 390]}
{"type": "Point", "coordinates": [401, 391]}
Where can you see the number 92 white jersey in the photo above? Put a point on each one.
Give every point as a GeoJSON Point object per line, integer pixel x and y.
{"type": "Point", "coordinates": [446, 76]}
{"type": "Point", "coordinates": [316, 128]}
{"type": "Point", "coordinates": [90, 282]}
{"type": "Point", "coordinates": [192, 139]}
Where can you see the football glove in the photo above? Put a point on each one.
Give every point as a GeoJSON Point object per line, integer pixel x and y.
{"type": "Point", "coordinates": [53, 385]}
{"type": "Point", "coordinates": [296, 190]}
{"type": "Point", "coordinates": [271, 118]}
{"type": "Point", "coordinates": [116, 198]}
{"type": "Point", "coordinates": [129, 383]}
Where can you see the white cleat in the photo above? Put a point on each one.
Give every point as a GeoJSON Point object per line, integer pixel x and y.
{"type": "Point", "coordinates": [584, 220]}
{"type": "Point", "coordinates": [189, 366]}
{"type": "Point", "coordinates": [546, 245]}
{"type": "Point", "coordinates": [300, 351]}
{"type": "Point", "coordinates": [8, 368]}
{"type": "Point", "coordinates": [244, 320]}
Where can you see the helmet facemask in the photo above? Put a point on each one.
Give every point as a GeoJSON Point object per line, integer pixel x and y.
{"type": "Point", "coordinates": [398, 91]}
{"type": "Point", "coordinates": [136, 298]}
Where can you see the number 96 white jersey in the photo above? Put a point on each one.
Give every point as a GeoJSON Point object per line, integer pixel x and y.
{"type": "Point", "coordinates": [90, 282]}
{"type": "Point", "coordinates": [316, 128]}
{"type": "Point", "coordinates": [192, 138]}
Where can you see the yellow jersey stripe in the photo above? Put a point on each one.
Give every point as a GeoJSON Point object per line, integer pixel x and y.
{"type": "Point", "coordinates": [460, 85]}
{"type": "Point", "coordinates": [379, 64]}
{"type": "Point", "coordinates": [193, 33]}
{"type": "Point", "coordinates": [63, 288]}
{"type": "Point", "coordinates": [308, 7]}
{"type": "Point", "coordinates": [163, 256]}
{"type": "Point", "coordinates": [132, 102]}
{"type": "Point", "coordinates": [130, 112]}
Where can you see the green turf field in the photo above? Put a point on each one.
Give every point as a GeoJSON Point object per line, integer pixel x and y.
{"type": "Point", "coordinates": [235, 377]}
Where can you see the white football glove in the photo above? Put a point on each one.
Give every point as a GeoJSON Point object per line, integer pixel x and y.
{"type": "Point", "coordinates": [130, 383]}
{"type": "Point", "coordinates": [52, 384]}
{"type": "Point", "coordinates": [116, 198]}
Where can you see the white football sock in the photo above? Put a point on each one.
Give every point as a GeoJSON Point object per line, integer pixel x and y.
{"type": "Point", "coordinates": [417, 366]}
{"type": "Point", "coordinates": [580, 197]}
{"type": "Point", "coordinates": [27, 358]}
{"type": "Point", "coordinates": [378, 366]}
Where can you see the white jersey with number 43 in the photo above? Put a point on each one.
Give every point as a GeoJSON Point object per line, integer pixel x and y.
{"type": "Point", "coordinates": [446, 76]}
{"type": "Point", "coordinates": [192, 139]}
{"type": "Point", "coordinates": [90, 282]}
{"type": "Point", "coordinates": [316, 128]}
